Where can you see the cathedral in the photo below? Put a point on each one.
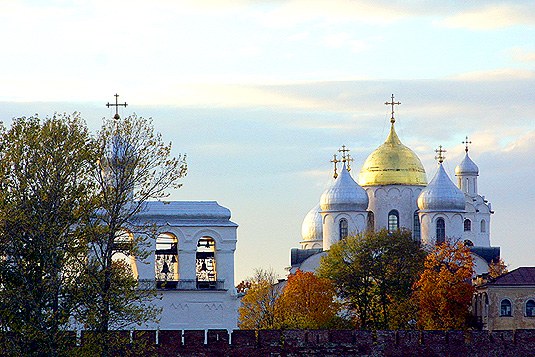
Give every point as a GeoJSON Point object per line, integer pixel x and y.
{"type": "Point", "coordinates": [392, 193]}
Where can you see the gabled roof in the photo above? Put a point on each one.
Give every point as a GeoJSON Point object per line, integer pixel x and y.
{"type": "Point", "coordinates": [519, 276]}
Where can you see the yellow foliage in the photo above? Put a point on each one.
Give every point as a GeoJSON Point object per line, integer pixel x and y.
{"type": "Point", "coordinates": [307, 302]}
{"type": "Point", "coordinates": [444, 290]}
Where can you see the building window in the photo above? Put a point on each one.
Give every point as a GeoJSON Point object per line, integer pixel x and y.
{"type": "Point", "coordinates": [505, 308]}
{"type": "Point", "coordinates": [416, 229]}
{"type": "Point", "coordinates": [343, 228]}
{"type": "Point", "coordinates": [166, 261]}
{"type": "Point", "coordinates": [206, 264]}
{"type": "Point", "coordinates": [483, 226]}
{"type": "Point", "coordinates": [530, 308]}
{"type": "Point", "coordinates": [371, 222]}
{"type": "Point", "coordinates": [468, 243]}
{"type": "Point", "coordinates": [393, 221]}
{"type": "Point", "coordinates": [467, 225]}
{"type": "Point", "coordinates": [441, 230]}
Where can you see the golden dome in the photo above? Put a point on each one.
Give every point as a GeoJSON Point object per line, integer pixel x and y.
{"type": "Point", "coordinates": [392, 164]}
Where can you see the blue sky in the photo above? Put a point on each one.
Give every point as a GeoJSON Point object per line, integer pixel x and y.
{"type": "Point", "coordinates": [261, 94]}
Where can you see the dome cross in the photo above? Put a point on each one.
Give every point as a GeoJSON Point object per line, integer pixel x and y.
{"type": "Point", "coordinates": [335, 161]}
{"type": "Point", "coordinates": [392, 103]}
{"type": "Point", "coordinates": [440, 157]}
{"type": "Point", "coordinates": [348, 159]}
{"type": "Point", "coordinates": [466, 142]}
{"type": "Point", "coordinates": [116, 105]}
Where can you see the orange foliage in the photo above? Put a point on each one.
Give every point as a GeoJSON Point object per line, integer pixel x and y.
{"type": "Point", "coordinates": [307, 302]}
{"type": "Point", "coordinates": [444, 291]}
{"type": "Point", "coordinates": [497, 268]}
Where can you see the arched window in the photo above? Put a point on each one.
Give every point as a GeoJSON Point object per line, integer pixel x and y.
{"type": "Point", "coordinates": [468, 243]}
{"type": "Point", "coordinates": [530, 308]}
{"type": "Point", "coordinates": [441, 230]}
{"type": "Point", "coordinates": [393, 221]}
{"type": "Point", "coordinates": [122, 251]}
{"type": "Point", "coordinates": [505, 308]}
{"type": "Point", "coordinates": [343, 228]}
{"type": "Point", "coordinates": [467, 225]}
{"type": "Point", "coordinates": [371, 222]}
{"type": "Point", "coordinates": [206, 264]}
{"type": "Point", "coordinates": [483, 226]}
{"type": "Point", "coordinates": [416, 227]}
{"type": "Point", "coordinates": [166, 261]}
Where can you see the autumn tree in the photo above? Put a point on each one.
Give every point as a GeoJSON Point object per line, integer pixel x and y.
{"type": "Point", "coordinates": [135, 166]}
{"type": "Point", "coordinates": [307, 302]}
{"type": "Point", "coordinates": [257, 310]}
{"type": "Point", "coordinates": [444, 290]}
{"type": "Point", "coordinates": [373, 274]}
{"type": "Point", "coordinates": [497, 268]}
{"type": "Point", "coordinates": [46, 198]}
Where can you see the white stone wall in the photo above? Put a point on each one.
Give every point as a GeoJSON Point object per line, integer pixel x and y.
{"type": "Point", "coordinates": [453, 224]}
{"type": "Point", "coordinates": [356, 222]}
{"type": "Point", "coordinates": [402, 198]}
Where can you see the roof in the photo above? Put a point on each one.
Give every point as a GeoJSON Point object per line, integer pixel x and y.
{"type": "Point", "coordinates": [519, 276]}
{"type": "Point", "coordinates": [187, 213]}
{"type": "Point", "coordinates": [487, 253]}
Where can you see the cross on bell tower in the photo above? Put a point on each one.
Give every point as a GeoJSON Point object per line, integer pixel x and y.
{"type": "Point", "coordinates": [440, 157]}
{"type": "Point", "coordinates": [466, 142]}
{"type": "Point", "coordinates": [392, 103]}
{"type": "Point", "coordinates": [116, 105]}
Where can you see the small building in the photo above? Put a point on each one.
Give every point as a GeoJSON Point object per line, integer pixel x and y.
{"type": "Point", "coordinates": [507, 302]}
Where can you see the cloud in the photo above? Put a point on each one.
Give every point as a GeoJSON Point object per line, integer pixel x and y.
{"type": "Point", "coordinates": [522, 55]}
{"type": "Point", "coordinates": [492, 17]}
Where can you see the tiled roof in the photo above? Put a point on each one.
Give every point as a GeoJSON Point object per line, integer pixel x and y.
{"type": "Point", "coordinates": [519, 276]}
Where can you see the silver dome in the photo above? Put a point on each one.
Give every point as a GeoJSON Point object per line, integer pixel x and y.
{"type": "Point", "coordinates": [441, 194]}
{"type": "Point", "coordinates": [344, 195]}
{"type": "Point", "coordinates": [312, 227]}
{"type": "Point", "coordinates": [467, 166]}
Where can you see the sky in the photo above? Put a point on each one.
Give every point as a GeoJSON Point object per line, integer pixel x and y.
{"type": "Point", "coordinates": [261, 94]}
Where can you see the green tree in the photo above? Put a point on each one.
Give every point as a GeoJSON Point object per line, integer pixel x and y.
{"type": "Point", "coordinates": [136, 166]}
{"type": "Point", "coordinates": [444, 290]}
{"type": "Point", "coordinates": [373, 274]}
{"type": "Point", "coordinates": [257, 309]}
{"type": "Point", "coordinates": [46, 196]}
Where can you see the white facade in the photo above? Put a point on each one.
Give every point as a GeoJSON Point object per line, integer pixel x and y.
{"type": "Point", "coordinates": [393, 198]}
{"type": "Point", "coordinates": [192, 264]}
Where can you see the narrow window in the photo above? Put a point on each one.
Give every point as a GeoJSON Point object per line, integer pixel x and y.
{"type": "Point", "coordinates": [483, 226]}
{"type": "Point", "coordinates": [530, 308]}
{"type": "Point", "coordinates": [505, 308]}
{"type": "Point", "coordinates": [122, 252]}
{"type": "Point", "coordinates": [393, 221]}
{"type": "Point", "coordinates": [467, 225]}
{"type": "Point", "coordinates": [441, 230]}
{"type": "Point", "coordinates": [343, 228]}
{"type": "Point", "coordinates": [166, 261]}
{"type": "Point", "coordinates": [416, 229]}
{"type": "Point", "coordinates": [206, 264]}
{"type": "Point", "coordinates": [371, 222]}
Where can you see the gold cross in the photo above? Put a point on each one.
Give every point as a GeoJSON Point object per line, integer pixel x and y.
{"type": "Point", "coordinates": [335, 161]}
{"type": "Point", "coordinates": [348, 160]}
{"type": "Point", "coordinates": [440, 157]}
{"type": "Point", "coordinates": [116, 105]}
{"type": "Point", "coordinates": [344, 151]}
{"type": "Point", "coordinates": [392, 103]}
{"type": "Point", "coordinates": [466, 142]}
